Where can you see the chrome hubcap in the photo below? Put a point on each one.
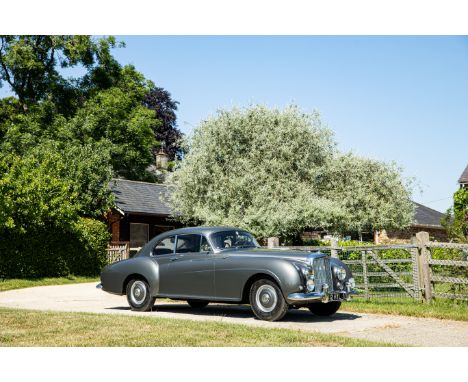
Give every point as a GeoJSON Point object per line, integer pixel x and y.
{"type": "Point", "coordinates": [138, 292]}
{"type": "Point", "coordinates": [266, 298]}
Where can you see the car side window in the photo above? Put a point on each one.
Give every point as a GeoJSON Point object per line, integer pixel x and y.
{"type": "Point", "coordinates": [188, 243]}
{"type": "Point", "coordinates": [205, 246]}
{"type": "Point", "coordinates": [164, 246]}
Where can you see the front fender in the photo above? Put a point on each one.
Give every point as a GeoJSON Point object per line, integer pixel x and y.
{"type": "Point", "coordinates": [335, 261]}
{"type": "Point", "coordinates": [114, 276]}
{"type": "Point", "coordinates": [286, 275]}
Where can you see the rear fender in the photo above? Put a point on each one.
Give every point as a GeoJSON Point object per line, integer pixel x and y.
{"type": "Point", "coordinates": [115, 276]}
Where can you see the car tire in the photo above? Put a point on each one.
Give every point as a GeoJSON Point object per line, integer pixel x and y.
{"type": "Point", "coordinates": [267, 301]}
{"type": "Point", "coordinates": [322, 309]}
{"type": "Point", "coordinates": [197, 304]}
{"type": "Point", "coordinates": [138, 296]}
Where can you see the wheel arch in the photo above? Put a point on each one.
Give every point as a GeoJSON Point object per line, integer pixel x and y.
{"type": "Point", "coordinates": [255, 277]}
{"type": "Point", "coordinates": [133, 276]}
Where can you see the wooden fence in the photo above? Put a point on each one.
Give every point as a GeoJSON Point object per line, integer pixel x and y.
{"type": "Point", "coordinates": [117, 251]}
{"type": "Point", "coordinates": [421, 270]}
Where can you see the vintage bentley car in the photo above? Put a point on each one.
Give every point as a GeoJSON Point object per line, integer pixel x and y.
{"type": "Point", "coordinates": [222, 264]}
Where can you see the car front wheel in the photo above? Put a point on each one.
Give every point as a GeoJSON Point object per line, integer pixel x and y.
{"type": "Point", "coordinates": [267, 301]}
{"type": "Point", "coordinates": [138, 296]}
{"type": "Point", "coordinates": [321, 309]}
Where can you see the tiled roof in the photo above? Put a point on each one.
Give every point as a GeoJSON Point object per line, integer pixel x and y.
{"type": "Point", "coordinates": [140, 197]}
{"type": "Point", "coordinates": [426, 216]}
{"type": "Point", "coordinates": [464, 176]}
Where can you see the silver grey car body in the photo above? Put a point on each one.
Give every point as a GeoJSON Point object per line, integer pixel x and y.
{"type": "Point", "coordinates": [227, 274]}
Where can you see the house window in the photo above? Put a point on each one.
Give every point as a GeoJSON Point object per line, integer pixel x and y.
{"type": "Point", "coordinates": [138, 235]}
{"type": "Point", "coordinates": [158, 229]}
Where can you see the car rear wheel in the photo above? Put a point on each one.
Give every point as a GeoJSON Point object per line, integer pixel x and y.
{"type": "Point", "coordinates": [321, 309]}
{"type": "Point", "coordinates": [197, 304]}
{"type": "Point", "coordinates": [138, 296]}
{"type": "Point", "coordinates": [267, 301]}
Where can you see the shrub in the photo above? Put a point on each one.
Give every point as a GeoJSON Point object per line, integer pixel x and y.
{"type": "Point", "coordinates": [49, 251]}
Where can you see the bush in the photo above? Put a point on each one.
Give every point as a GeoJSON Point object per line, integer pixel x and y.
{"type": "Point", "coordinates": [49, 251]}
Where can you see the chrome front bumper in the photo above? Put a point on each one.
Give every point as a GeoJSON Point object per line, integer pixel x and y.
{"type": "Point", "coordinates": [324, 296]}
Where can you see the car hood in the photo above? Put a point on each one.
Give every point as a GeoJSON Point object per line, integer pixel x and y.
{"type": "Point", "coordinates": [289, 254]}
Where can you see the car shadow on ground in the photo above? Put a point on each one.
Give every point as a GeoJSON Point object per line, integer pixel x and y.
{"type": "Point", "coordinates": [243, 311]}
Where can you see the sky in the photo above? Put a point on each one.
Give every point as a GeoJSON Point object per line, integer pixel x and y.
{"type": "Point", "coordinates": [402, 99]}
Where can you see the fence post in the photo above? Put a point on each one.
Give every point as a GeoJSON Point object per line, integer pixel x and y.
{"type": "Point", "coordinates": [422, 238]}
{"type": "Point", "coordinates": [273, 242]}
{"type": "Point", "coordinates": [334, 243]}
{"type": "Point", "coordinates": [364, 273]}
{"type": "Point", "coordinates": [417, 277]}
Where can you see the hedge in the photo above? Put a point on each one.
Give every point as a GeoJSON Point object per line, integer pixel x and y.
{"type": "Point", "coordinates": [50, 251]}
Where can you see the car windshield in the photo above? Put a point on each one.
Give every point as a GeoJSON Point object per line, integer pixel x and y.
{"type": "Point", "coordinates": [233, 239]}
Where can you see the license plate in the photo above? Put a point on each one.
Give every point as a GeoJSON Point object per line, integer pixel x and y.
{"type": "Point", "coordinates": [335, 296]}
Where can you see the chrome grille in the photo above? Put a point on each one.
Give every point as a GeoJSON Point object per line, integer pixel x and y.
{"type": "Point", "coordinates": [322, 273]}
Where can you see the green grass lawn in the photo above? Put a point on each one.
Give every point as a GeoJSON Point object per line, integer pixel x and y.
{"type": "Point", "coordinates": [442, 308]}
{"type": "Point", "coordinates": [39, 328]}
{"type": "Point", "coordinates": [9, 284]}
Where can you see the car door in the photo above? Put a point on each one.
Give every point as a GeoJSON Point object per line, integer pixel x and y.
{"type": "Point", "coordinates": [190, 273]}
{"type": "Point", "coordinates": [163, 253]}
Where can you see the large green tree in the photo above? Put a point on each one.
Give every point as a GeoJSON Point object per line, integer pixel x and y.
{"type": "Point", "coordinates": [31, 66]}
{"type": "Point", "coordinates": [61, 141]}
{"type": "Point", "coordinates": [277, 172]}
{"type": "Point", "coordinates": [118, 117]}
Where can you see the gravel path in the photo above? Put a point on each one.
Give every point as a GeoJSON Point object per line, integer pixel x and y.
{"type": "Point", "coordinates": [378, 327]}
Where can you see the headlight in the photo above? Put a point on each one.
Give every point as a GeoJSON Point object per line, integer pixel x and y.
{"type": "Point", "coordinates": [304, 270]}
{"type": "Point", "coordinates": [352, 283]}
{"type": "Point", "coordinates": [308, 276]}
{"type": "Point", "coordinates": [340, 273]}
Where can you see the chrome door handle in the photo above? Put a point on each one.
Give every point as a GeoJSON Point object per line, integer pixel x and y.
{"type": "Point", "coordinates": [174, 259]}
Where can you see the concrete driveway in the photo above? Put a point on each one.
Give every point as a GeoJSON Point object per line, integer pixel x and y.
{"type": "Point", "coordinates": [392, 329]}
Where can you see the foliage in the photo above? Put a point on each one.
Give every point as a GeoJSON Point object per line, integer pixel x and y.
{"type": "Point", "coordinates": [116, 117]}
{"type": "Point", "coordinates": [257, 169]}
{"type": "Point", "coordinates": [372, 193]}
{"type": "Point", "coordinates": [54, 251]}
{"type": "Point", "coordinates": [61, 141]}
{"type": "Point", "coordinates": [30, 65]}
{"type": "Point", "coordinates": [274, 172]}
{"type": "Point", "coordinates": [166, 132]}
{"type": "Point", "coordinates": [32, 193]}
{"type": "Point", "coordinates": [455, 220]}
{"type": "Point", "coordinates": [41, 199]}
{"type": "Point", "coordinates": [453, 254]}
